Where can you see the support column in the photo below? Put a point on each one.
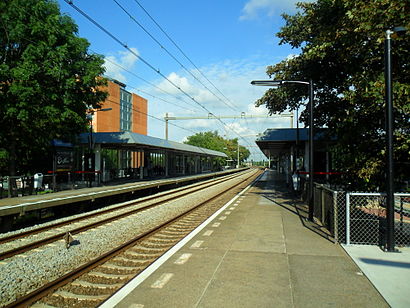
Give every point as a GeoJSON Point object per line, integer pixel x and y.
{"type": "Point", "coordinates": [142, 159]}
{"type": "Point", "coordinates": [97, 166]}
{"type": "Point", "coordinates": [166, 163]}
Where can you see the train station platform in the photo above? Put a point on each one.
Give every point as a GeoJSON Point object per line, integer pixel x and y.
{"type": "Point", "coordinates": [257, 251]}
{"type": "Point", "coordinates": [20, 206]}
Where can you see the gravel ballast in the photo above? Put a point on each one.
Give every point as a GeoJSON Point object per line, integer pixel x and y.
{"type": "Point", "coordinates": [21, 274]}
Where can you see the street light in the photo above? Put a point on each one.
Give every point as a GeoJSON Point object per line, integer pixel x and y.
{"type": "Point", "coordinates": [91, 158]}
{"type": "Point", "coordinates": [237, 166]}
{"type": "Point", "coordinates": [390, 239]}
{"type": "Point", "coordinates": [89, 116]}
{"type": "Point", "coordinates": [278, 83]}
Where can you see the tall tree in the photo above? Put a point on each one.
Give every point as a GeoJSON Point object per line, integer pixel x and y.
{"type": "Point", "coordinates": [47, 78]}
{"type": "Point", "coordinates": [211, 140]}
{"type": "Point", "coordinates": [342, 51]}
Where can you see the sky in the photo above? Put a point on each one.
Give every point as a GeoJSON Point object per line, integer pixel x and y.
{"type": "Point", "coordinates": [189, 58]}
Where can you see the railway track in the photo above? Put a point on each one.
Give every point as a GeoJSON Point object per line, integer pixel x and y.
{"type": "Point", "coordinates": [94, 281]}
{"type": "Point", "coordinates": [17, 243]}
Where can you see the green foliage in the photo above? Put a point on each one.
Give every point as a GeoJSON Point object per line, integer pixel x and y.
{"type": "Point", "coordinates": [342, 51]}
{"type": "Point", "coordinates": [46, 79]}
{"type": "Point", "coordinates": [212, 141]}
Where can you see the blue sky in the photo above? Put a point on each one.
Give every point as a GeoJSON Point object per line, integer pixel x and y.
{"type": "Point", "coordinates": [230, 41]}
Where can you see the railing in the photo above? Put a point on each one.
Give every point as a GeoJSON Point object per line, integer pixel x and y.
{"type": "Point", "coordinates": [360, 218]}
{"type": "Point", "coordinates": [17, 186]}
{"type": "Point", "coordinates": [326, 208]}
{"type": "Point", "coordinates": [366, 218]}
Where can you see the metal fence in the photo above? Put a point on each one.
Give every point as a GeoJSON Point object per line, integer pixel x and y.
{"type": "Point", "coordinates": [366, 218]}
{"type": "Point", "coordinates": [17, 186]}
{"type": "Point", "coordinates": [360, 218]}
{"type": "Point", "coordinates": [328, 209]}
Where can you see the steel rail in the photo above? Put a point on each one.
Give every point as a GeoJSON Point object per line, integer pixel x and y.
{"type": "Point", "coordinates": [59, 236]}
{"type": "Point", "coordinates": [48, 288]}
{"type": "Point", "coordinates": [87, 216]}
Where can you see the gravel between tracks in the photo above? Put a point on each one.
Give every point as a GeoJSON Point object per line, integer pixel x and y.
{"type": "Point", "coordinates": [22, 274]}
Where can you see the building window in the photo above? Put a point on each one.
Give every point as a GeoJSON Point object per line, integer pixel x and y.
{"type": "Point", "coordinates": [125, 111]}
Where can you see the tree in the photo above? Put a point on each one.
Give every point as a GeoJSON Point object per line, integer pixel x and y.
{"type": "Point", "coordinates": [47, 79]}
{"type": "Point", "coordinates": [212, 141]}
{"type": "Point", "coordinates": [342, 51]}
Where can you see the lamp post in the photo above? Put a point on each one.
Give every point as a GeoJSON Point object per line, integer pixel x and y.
{"type": "Point", "coordinates": [278, 83]}
{"type": "Point", "coordinates": [390, 239]}
{"type": "Point", "coordinates": [91, 158]}
{"type": "Point", "coordinates": [237, 165]}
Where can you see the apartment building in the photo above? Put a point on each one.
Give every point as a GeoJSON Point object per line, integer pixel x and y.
{"type": "Point", "coordinates": [128, 111]}
{"type": "Point", "coordinates": [122, 111]}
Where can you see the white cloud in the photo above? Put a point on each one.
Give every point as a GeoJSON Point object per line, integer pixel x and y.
{"type": "Point", "coordinates": [115, 64]}
{"type": "Point", "coordinates": [255, 9]}
{"type": "Point", "coordinates": [239, 128]}
{"type": "Point", "coordinates": [201, 124]}
{"type": "Point", "coordinates": [201, 95]}
{"type": "Point", "coordinates": [232, 77]}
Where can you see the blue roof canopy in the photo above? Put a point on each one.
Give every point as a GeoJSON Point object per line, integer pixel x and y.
{"type": "Point", "coordinates": [133, 140]}
{"type": "Point", "coordinates": [278, 140]}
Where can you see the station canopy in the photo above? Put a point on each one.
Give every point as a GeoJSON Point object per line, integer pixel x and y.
{"type": "Point", "coordinates": [133, 141]}
{"type": "Point", "coordinates": [275, 141]}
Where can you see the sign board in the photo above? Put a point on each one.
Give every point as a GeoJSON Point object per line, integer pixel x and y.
{"type": "Point", "coordinates": [64, 160]}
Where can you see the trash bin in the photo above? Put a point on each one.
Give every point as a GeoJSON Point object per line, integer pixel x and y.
{"type": "Point", "coordinates": [38, 181]}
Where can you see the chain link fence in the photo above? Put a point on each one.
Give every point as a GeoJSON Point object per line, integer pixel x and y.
{"type": "Point", "coordinates": [366, 219]}
{"type": "Point", "coordinates": [360, 218]}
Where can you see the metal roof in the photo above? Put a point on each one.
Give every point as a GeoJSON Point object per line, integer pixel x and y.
{"type": "Point", "coordinates": [133, 140]}
{"type": "Point", "coordinates": [283, 134]}
{"type": "Point", "coordinates": [278, 140]}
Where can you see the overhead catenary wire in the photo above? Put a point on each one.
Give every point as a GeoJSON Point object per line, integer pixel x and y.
{"type": "Point", "coordinates": [149, 83]}
{"type": "Point", "coordinates": [153, 117]}
{"type": "Point", "coordinates": [134, 53]}
{"type": "Point", "coordinates": [180, 50]}
{"type": "Point", "coordinates": [159, 98]}
{"type": "Point", "coordinates": [170, 54]}
{"type": "Point", "coordinates": [162, 120]}
{"type": "Point", "coordinates": [147, 63]}
{"type": "Point", "coordinates": [155, 97]}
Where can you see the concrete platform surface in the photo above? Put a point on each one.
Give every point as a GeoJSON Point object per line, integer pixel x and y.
{"type": "Point", "coordinates": [388, 271]}
{"type": "Point", "coordinates": [257, 251]}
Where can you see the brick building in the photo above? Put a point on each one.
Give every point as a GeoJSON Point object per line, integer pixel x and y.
{"type": "Point", "coordinates": [128, 111]}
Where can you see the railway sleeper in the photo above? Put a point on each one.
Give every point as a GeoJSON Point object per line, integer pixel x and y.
{"type": "Point", "coordinates": [88, 288]}
{"type": "Point", "coordinates": [173, 231]}
{"type": "Point", "coordinates": [167, 237]}
{"type": "Point", "coordinates": [103, 278]}
{"type": "Point", "coordinates": [183, 224]}
{"type": "Point", "coordinates": [65, 298]}
{"type": "Point", "coordinates": [164, 241]}
{"type": "Point", "coordinates": [136, 255]}
{"type": "Point", "coordinates": [41, 305]}
{"type": "Point", "coordinates": [155, 244]}
{"type": "Point", "coordinates": [189, 221]}
{"type": "Point", "coordinates": [184, 229]}
{"type": "Point", "coordinates": [129, 262]}
{"type": "Point", "coordinates": [113, 269]}
{"type": "Point", "coordinates": [146, 250]}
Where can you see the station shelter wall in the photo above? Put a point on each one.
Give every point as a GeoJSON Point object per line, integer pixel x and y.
{"type": "Point", "coordinates": [121, 163]}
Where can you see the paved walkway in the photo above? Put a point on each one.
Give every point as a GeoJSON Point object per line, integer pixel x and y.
{"type": "Point", "coordinates": [389, 272]}
{"type": "Point", "coordinates": [258, 251]}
